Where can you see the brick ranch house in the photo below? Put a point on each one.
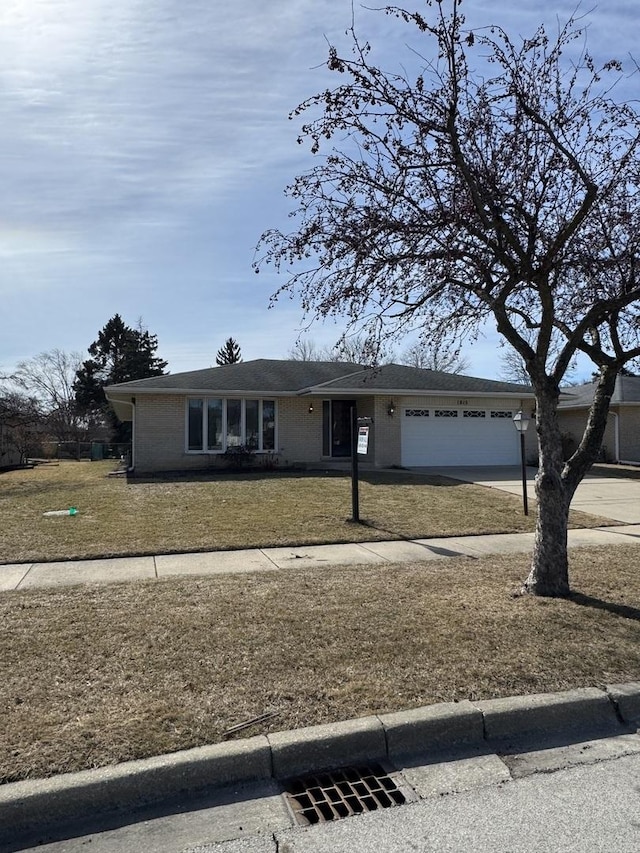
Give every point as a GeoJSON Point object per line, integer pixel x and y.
{"type": "Point", "coordinates": [621, 441]}
{"type": "Point", "coordinates": [299, 412]}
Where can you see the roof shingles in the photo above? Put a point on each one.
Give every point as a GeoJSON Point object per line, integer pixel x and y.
{"type": "Point", "coordinates": [270, 376]}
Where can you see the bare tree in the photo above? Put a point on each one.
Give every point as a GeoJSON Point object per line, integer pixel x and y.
{"type": "Point", "coordinates": [499, 179]}
{"type": "Point", "coordinates": [513, 368]}
{"type": "Point", "coordinates": [48, 378]}
{"type": "Point", "coordinates": [305, 350]}
{"type": "Point", "coordinates": [435, 356]}
{"type": "Point", "coordinates": [22, 426]}
{"type": "Point", "coordinates": [357, 349]}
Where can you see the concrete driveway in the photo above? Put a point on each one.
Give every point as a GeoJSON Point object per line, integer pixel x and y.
{"type": "Point", "coordinates": [617, 498]}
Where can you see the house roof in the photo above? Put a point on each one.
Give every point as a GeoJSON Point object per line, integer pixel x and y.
{"type": "Point", "coordinates": [626, 390]}
{"type": "Point", "coordinates": [292, 378]}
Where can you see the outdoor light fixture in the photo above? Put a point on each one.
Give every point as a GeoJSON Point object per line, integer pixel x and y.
{"type": "Point", "coordinates": [391, 409]}
{"type": "Point", "coordinates": [310, 408]}
{"type": "Point", "coordinates": [521, 423]}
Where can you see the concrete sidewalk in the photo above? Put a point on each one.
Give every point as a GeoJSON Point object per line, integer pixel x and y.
{"type": "Point", "coordinates": [116, 569]}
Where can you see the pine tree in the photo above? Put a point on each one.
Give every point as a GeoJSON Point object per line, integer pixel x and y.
{"type": "Point", "coordinates": [229, 353]}
{"type": "Point", "coordinates": [120, 354]}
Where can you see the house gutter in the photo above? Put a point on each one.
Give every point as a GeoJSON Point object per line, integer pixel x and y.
{"type": "Point", "coordinates": [324, 391]}
{"type": "Point", "coordinates": [413, 392]}
{"type": "Point", "coordinates": [616, 436]}
{"type": "Point", "coordinates": [132, 462]}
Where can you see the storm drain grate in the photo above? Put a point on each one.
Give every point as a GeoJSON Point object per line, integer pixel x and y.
{"type": "Point", "coordinates": [340, 793]}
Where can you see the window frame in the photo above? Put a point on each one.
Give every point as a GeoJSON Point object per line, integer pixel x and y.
{"type": "Point", "coordinates": [204, 426]}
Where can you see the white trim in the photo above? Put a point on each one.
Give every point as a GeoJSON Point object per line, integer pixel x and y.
{"type": "Point", "coordinates": [418, 392]}
{"type": "Point", "coordinates": [317, 391]}
{"type": "Point", "coordinates": [132, 461]}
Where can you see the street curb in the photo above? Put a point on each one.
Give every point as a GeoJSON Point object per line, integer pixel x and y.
{"type": "Point", "coordinates": [626, 699]}
{"type": "Point", "coordinates": [521, 717]}
{"type": "Point", "coordinates": [435, 729]}
{"type": "Point", "coordinates": [322, 747]}
{"type": "Point", "coordinates": [132, 784]}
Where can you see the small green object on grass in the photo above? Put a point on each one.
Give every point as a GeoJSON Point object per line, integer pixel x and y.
{"type": "Point", "coordinates": [71, 511]}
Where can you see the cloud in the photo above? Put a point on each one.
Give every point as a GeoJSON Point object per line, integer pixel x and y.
{"type": "Point", "coordinates": [144, 146]}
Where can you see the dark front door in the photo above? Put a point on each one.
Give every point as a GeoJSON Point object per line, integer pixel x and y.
{"type": "Point", "coordinates": [341, 427]}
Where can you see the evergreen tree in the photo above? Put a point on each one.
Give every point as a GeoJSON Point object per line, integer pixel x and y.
{"type": "Point", "coordinates": [120, 354]}
{"type": "Point", "coordinates": [229, 353]}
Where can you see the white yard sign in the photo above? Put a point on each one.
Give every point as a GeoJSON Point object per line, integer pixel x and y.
{"type": "Point", "coordinates": [363, 439]}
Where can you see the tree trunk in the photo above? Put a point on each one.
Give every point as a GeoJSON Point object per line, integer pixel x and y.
{"type": "Point", "coordinates": [549, 573]}
{"type": "Point", "coordinates": [558, 480]}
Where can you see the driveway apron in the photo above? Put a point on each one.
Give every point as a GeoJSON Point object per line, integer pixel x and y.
{"type": "Point", "coordinates": [616, 498]}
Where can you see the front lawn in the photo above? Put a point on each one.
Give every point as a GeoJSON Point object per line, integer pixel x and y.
{"type": "Point", "coordinates": [117, 517]}
{"type": "Point", "coordinates": [92, 675]}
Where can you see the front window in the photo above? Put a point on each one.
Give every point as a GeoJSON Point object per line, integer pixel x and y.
{"type": "Point", "coordinates": [215, 431]}
{"type": "Point", "coordinates": [234, 423]}
{"type": "Point", "coordinates": [251, 431]}
{"type": "Point", "coordinates": [195, 424]}
{"type": "Point", "coordinates": [214, 424]}
{"type": "Point", "coordinates": [268, 424]}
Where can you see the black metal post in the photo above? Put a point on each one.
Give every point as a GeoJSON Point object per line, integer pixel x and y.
{"type": "Point", "coordinates": [524, 476]}
{"type": "Point", "coordinates": [355, 500]}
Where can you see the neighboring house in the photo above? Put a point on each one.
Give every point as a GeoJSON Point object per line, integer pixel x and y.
{"type": "Point", "coordinates": [299, 411]}
{"type": "Point", "coordinates": [621, 441]}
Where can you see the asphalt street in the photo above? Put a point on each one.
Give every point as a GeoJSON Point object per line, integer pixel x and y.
{"type": "Point", "coordinates": [584, 809]}
{"type": "Point", "coordinates": [582, 797]}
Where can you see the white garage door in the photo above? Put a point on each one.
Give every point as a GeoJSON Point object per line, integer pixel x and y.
{"type": "Point", "coordinates": [434, 436]}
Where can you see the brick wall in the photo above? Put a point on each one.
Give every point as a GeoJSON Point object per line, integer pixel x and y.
{"type": "Point", "coordinates": [160, 435]}
{"type": "Point", "coordinates": [629, 433]}
{"type": "Point", "coordinates": [300, 433]}
{"type": "Point", "coordinates": [387, 435]}
{"type": "Point", "coordinates": [160, 430]}
{"type": "Point", "coordinates": [299, 430]}
{"type": "Point", "coordinates": [573, 422]}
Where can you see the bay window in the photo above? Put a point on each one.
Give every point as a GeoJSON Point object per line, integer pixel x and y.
{"type": "Point", "coordinates": [214, 424]}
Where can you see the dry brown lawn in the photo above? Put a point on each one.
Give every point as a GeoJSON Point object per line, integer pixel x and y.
{"type": "Point", "coordinates": [235, 511]}
{"type": "Point", "coordinates": [95, 675]}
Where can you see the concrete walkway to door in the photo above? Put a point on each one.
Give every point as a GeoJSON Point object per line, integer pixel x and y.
{"type": "Point", "coordinates": [614, 497]}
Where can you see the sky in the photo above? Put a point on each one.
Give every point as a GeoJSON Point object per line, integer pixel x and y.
{"type": "Point", "coordinates": [145, 146]}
